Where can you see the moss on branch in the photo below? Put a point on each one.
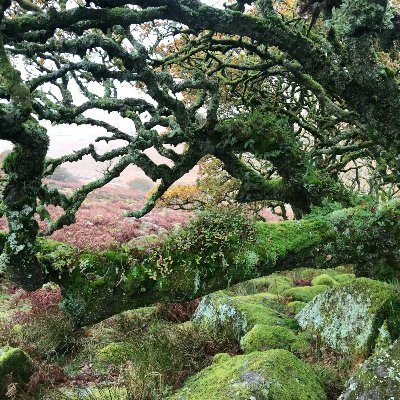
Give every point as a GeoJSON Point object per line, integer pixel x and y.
{"type": "Point", "coordinates": [216, 251]}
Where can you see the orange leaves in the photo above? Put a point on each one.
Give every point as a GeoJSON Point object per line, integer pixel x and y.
{"type": "Point", "coordinates": [180, 197]}
{"type": "Point", "coordinates": [214, 186]}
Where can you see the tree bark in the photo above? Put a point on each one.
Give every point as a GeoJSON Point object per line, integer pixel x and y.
{"type": "Point", "coordinates": [24, 167]}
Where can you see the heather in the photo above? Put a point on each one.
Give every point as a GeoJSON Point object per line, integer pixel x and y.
{"type": "Point", "coordinates": [101, 223]}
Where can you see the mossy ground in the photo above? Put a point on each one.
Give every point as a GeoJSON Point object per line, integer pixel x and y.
{"type": "Point", "coordinates": [264, 337]}
{"type": "Point", "coordinates": [139, 352]}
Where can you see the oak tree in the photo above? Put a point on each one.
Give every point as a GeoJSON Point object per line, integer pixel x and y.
{"type": "Point", "coordinates": [299, 116]}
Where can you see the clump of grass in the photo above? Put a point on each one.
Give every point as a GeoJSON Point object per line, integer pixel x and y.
{"type": "Point", "coordinates": [166, 355]}
{"type": "Point", "coordinates": [144, 384]}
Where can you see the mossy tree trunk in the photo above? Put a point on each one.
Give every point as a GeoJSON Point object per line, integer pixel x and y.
{"type": "Point", "coordinates": [24, 169]}
{"type": "Point", "coordinates": [184, 267]}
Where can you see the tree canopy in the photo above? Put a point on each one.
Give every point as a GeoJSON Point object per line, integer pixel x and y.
{"type": "Point", "coordinates": [299, 102]}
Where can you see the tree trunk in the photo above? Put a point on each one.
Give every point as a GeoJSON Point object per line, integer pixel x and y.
{"type": "Point", "coordinates": [98, 286]}
{"type": "Point", "coordinates": [24, 167]}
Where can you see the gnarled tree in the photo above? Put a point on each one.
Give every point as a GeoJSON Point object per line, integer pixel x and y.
{"type": "Point", "coordinates": [318, 108]}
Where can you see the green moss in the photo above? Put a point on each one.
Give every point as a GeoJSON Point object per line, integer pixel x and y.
{"type": "Point", "coordinates": [278, 284]}
{"type": "Point", "coordinates": [264, 337]}
{"type": "Point", "coordinates": [329, 378]}
{"type": "Point", "coordinates": [310, 273]}
{"type": "Point", "coordinates": [293, 237]}
{"type": "Point", "coordinates": [344, 278]}
{"type": "Point", "coordinates": [302, 343]}
{"type": "Point", "coordinates": [113, 353]}
{"type": "Point", "coordinates": [144, 313]}
{"type": "Point", "coordinates": [273, 283]}
{"type": "Point", "coordinates": [324, 279]}
{"type": "Point", "coordinates": [257, 298]}
{"type": "Point", "coordinates": [270, 375]}
{"type": "Point", "coordinates": [305, 293]}
{"type": "Point", "coordinates": [88, 285]}
{"type": "Point", "coordinates": [15, 362]}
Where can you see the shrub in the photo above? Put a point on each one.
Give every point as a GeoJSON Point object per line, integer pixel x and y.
{"type": "Point", "coordinates": [217, 243]}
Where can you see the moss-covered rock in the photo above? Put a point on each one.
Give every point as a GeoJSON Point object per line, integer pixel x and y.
{"type": "Point", "coordinates": [378, 378]}
{"type": "Point", "coordinates": [269, 375]}
{"type": "Point", "coordinates": [344, 278]}
{"type": "Point", "coordinates": [305, 293]}
{"type": "Point", "coordinates": [234, 316]}
{"type": "Point", "coordinates": [264, 337]}
{"type": "Point", "coordinates": [277, 283]}
{"type": "Point", "coordinates": [307, 273]}
{"type": "Point", "coordinates": [273, 283]}
{"type": "Point", "coordinates": [348, 318]}
{"type": "Point", "coordinates": [15, 366]}
{"type": "Point", "coordinates": [324, 279]}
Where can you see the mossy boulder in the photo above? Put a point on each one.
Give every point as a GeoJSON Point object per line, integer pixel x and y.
{"type": "Point", "coordinates": [344, 278]}
{"type": "Point", "coordinates": [269, 375]}
{"type": "Point", "coordinates": [348, 318]}
{"type": "Point", "coordinates": [378, 378]}
{"type": "Point", "coordinates": [309, 273]}
{"type": "Point", "coordinates": [264, 337]}
{"type": "Point", "coordinates": [277, 283]}
{"type": "Point", "coordinates": [273, 283]}
{"type": "Point", "coordinates": [324, 279]}
{"type": "Point", "coordinates": [234, 316]}
{"type": "Point", "coordinates": [15, 366]}
{"type": "Point", "coordinates": [305, 293]}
